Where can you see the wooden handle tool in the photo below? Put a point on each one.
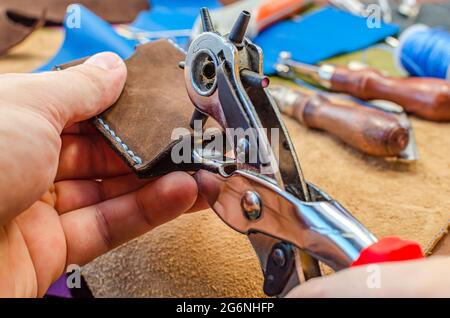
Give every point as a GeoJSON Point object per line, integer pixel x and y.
{"type": "Point", "coordinates": [428, 98]}
{"type": "Point", "coordinates": [369, 130]}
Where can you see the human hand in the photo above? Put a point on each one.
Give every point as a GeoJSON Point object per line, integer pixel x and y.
{"type": "Point", "coordinates": [422, 278]}
{"type": "Point", "coordinates": [54, 211]}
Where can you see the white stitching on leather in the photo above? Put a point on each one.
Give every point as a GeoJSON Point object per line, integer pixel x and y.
{"type": "Point", "coordinates": [136, 159]}
{"type": "Point", "coordinates": [177, 46]}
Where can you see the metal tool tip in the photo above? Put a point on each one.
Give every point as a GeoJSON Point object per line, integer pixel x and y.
{"type": "Point", "coordinates": [265, 82]}
{"type": "Point", "coordinates": [206, 20]}
{"type": "Point", "coordinates": [237, 34]}
{"type": "Point", "coordinates": [254, 79]}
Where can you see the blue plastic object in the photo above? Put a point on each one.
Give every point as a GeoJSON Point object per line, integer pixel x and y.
{"type": "Point", "coordinates": [173, 14]}
{"type": "Point", "coordinates": [92, 35]}
{"type": "Point", "coordinates": [319, 35]}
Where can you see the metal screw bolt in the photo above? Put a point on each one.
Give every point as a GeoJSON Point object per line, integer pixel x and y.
{"type": "Point", "coordinates": [251, 204]}
{"type": "Point", "coordinates": [243, 146]}
{"type": "Point", "coordinates": [279, 257]}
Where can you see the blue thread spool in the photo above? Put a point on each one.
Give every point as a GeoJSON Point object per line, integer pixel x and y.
{"type": "Point", "coordinates": [424, 52]}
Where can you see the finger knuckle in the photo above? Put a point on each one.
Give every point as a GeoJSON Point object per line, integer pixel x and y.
{"type": "Point", "coordinates": [103, 226]}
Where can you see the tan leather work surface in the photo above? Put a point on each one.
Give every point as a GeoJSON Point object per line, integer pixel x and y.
{"type": "Point", "coordinates": [197, 255]}
{"type": "Point", "coordinates": [114, 11]}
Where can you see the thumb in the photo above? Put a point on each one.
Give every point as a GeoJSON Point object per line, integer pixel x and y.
{"type": "Point", "coordinates": [34, 109]}
{"type": "Point", "coordinates": [77, 93]}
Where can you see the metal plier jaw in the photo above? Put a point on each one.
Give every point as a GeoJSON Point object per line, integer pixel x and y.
{"type": "Point", "coordinates": [290, 223]}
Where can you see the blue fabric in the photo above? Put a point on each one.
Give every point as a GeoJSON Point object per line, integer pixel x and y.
{"type": "Point", "coordinates": [173, 15]}
{"type": "Point", "coordinates": [310, 39]}
{"type": "Point", "coordinates": [319, 35]}
{"type": "Point", "coordinates": [94, 35]}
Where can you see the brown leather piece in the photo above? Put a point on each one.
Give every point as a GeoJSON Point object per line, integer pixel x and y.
{"type": "Point", "coordinates": [113, 11]}
{"type": "Point", "coordinates": [227, 2]}
{"type": "Point", "coordinates": [14, 31]}
{"type": "Point", "coordinates": [153, 104]}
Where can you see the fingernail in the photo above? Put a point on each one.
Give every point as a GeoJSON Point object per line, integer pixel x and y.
{"type": "Point", "coordinates": [107, 61]}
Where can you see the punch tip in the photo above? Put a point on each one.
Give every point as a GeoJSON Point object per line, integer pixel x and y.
{"type": "Point", "coordinates": [237, 34]}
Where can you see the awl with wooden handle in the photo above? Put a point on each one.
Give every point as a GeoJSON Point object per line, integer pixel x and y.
{"type": "Point", "coordinates": [367, 129]}
{"type": "Point", "coordinates": [428, 98]}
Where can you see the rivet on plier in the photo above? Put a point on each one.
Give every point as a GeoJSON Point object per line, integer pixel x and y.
{"type": "Point", "coordinates": [279, 257]}
{"type": "Point", "coordinates": [251, 204]}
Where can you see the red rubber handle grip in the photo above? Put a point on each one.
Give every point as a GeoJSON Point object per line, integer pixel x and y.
{"type": "Point", "coordinates": [389, 249]}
